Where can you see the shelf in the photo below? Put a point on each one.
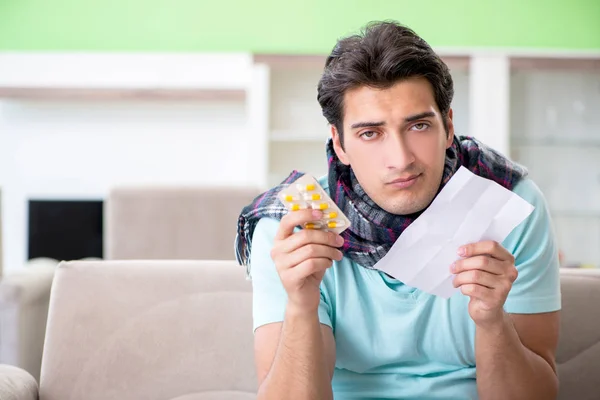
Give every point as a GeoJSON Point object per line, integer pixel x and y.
{"type": "Point", "coordinates": [297, 136]}
{"type": "Point", "coordinates": [535, 64]}
{"type": "Point", "coordinates": [576, 213]}
{"type": "Point", "coordinates": [207, 71]}
{"type": "Point", "coordinates": [116, 76]}
{"type": "Point", "coordinates": [455, 61]}
{"type": "Point", "coordinates": [555, 142]}
{"type": "Point", "coordinates": [104, 94]}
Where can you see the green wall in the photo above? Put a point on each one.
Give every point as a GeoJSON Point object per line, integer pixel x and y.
{"type": "Point", "coordinates": [279, 26]}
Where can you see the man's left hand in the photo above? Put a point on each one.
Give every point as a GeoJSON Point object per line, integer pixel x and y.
{"type": "Point", "coordinates": [486, 274]}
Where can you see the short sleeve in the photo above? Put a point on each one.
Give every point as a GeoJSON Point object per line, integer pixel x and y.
{"type": "Point", "coordinates": [533, 244]}
{"type": "Point", "coordinates": [269, 297]}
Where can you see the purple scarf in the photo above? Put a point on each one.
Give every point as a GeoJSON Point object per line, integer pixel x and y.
{"type": "Point", "coordinates": [373, 230]}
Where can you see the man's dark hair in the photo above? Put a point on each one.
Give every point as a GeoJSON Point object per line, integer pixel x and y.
{"type": "Point", "coordinates": [382, 54]}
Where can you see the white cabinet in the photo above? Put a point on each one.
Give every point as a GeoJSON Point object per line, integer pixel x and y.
{"type": "Point", "coordinates": [546, 110]}
{"type": "Point", "coordinates": [297, 129]}
{"type": "Point", "coordinates": [555, 133]}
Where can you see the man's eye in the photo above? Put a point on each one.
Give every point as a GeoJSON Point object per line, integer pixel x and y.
{"type": "Point", "coordinates": [368, 135]}
{"type": "Point", "coordinates": [420, 127]}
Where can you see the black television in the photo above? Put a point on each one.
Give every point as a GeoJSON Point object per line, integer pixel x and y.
{"type": "Point", "coordinates": [65, 229]}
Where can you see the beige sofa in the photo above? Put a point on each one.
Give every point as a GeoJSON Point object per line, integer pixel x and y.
{"type": "Point", "coordinates": [162, 222]}
{"type": "Point", "coordinates": [1, 239]}
{"type": "Point", "coordinates": [182, 330]}
{"type": "Point", "coordinates": [578, 354]}
{"type": "Point", "coordinates": [24, 297]}
{"type": "Point", "coordinates": [145, 330]}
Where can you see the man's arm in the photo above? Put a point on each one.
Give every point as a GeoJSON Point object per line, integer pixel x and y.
{"type": "Point", "coordinates": [294, 346]}
{"type": "Point", "coordinates": [515, 359]}
{"type": "Point", "coordinates": [514, 353]}
{"type": "Point", "coordinates": [296, 356]}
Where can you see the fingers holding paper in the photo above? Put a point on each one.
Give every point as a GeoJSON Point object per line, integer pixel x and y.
{"type": "Point", "coordinates": [486, 274]}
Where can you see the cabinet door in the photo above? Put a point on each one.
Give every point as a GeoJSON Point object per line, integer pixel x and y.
{"type": "Point", "coordinates": [578, 238]}
{"type": "Point", "coordinates": [555, 133]}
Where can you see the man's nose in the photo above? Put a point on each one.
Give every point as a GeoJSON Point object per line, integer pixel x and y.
{"type": "Point", "coordinates": [397, 153]}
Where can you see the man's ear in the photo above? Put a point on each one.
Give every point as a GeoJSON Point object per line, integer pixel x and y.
{"type": "Point", "coordinates": [337, 146]}
{"type": "Point", "coordinates": [450, 125]}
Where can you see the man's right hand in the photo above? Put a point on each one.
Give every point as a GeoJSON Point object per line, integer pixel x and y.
{"type": "Point", "coordinates": [303, 257]}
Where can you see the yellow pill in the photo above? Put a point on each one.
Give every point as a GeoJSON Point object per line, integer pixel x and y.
{"type": "Point", "coordinates": [313, 225]}
{"type": "Point", "coordinates": [306, 188]}
{"type": "Point", "coordinates": [332, 215]}
{"type": "Point", "coordinates": [295, 207]}
{"type": "Point", "coordinates": [335, 224]}
{"type": "Point", "coordinates": [288, 197]}
{"type": "Point", "coordinates": [312, 197]}
{"type": "Point", "coordinates": [323, 206]}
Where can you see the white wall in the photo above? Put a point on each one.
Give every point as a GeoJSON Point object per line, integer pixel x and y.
{"type": "Point", "coordinates": [80, 150]}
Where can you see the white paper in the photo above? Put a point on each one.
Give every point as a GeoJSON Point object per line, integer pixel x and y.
{"type": "Point", "coordinates": [467, 210]}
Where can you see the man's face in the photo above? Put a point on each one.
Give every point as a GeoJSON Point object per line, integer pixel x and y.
{"type": "Point", "coordinates": [395, 142]}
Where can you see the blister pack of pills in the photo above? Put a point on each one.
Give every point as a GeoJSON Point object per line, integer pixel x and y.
{"type": "Point", "coordinates": [305, 193]}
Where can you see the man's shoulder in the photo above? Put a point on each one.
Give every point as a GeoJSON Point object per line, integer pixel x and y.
{"type": "Point", "coordinates": [540, 218]}
{"type": "Point", "coordinates": [528, 190]}
{"type": "Point", "coordinates": [324, 182]}
{"type": "Point", "coordinates": [267, 227]}
{"type": "Point", "coordinates": [534, 246]}
{"type": "Point", "coordinates": [537, 228]}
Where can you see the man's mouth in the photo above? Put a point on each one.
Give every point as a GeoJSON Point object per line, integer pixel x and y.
{"type": "Point", "coordinates": [404, 182]}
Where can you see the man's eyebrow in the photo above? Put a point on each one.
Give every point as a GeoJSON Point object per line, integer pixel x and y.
{"type": "Point", "coordinates": [367, 124]}
{"type": "Point", "coordinates": [412, 118]}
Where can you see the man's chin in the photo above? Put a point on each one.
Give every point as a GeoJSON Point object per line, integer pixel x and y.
{"type": "Point", "coordinates": [405, 207]}
{"type": "Point", "coordinates": [409, 211]}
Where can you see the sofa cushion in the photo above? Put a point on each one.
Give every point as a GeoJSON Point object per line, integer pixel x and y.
{"type": "Point", "coordinates": [173, 222]}
{"type": "Point", "coordinates": [218, 396]}
{"type": "Point", "coordinates": [148, 330]}
{"type": "Point", "coordinates": [578, 354]}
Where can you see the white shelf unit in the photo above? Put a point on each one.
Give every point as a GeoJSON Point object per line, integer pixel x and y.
{"type": "Point", "coordinates": [297, 129]}
{"type": "Point", "coordinates": [539, 108]}
{"type": "Point", "coordinates": [555, 133]}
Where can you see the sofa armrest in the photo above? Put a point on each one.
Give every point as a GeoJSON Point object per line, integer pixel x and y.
{"type": "Point", "coordinates": [17, 384]}
{"type": "Point", "coordinates": [24, 299]}
{"type": "Point", "coordinates": [28, 286]}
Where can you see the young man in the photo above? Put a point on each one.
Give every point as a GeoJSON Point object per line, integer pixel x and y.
{"type": "Point", "coordinates": [327, 323]}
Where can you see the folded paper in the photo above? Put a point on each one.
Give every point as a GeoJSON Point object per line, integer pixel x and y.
{"type": "Point", "coordinates": [468, 209]}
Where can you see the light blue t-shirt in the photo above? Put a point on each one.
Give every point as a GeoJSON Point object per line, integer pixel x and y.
{"type": "Point", "coordinates": [397, 342]}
